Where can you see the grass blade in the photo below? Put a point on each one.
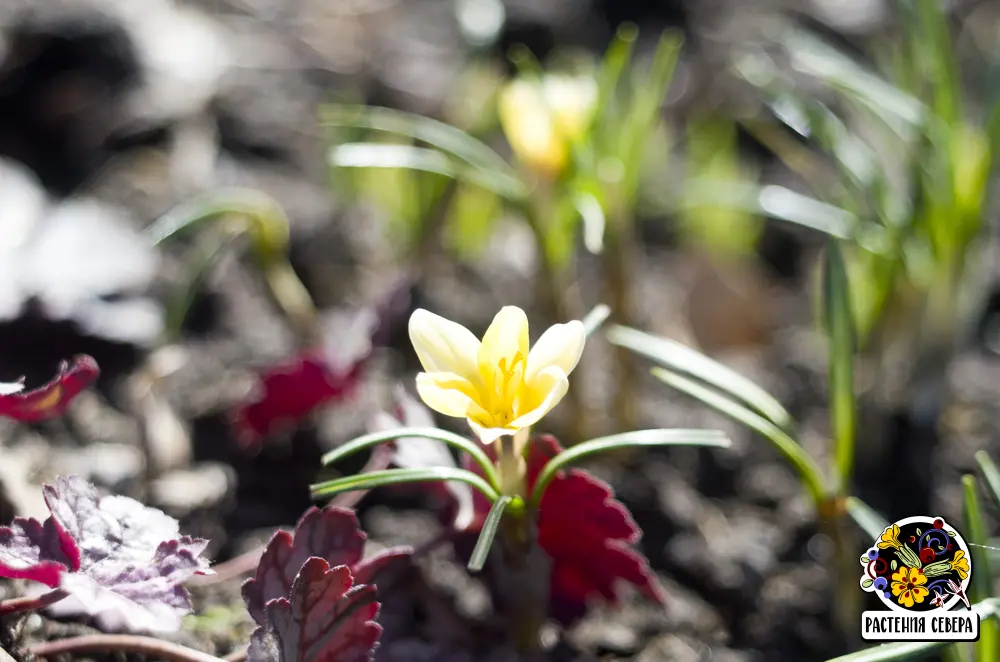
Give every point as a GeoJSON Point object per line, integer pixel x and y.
{"type": "Point", "coordinates": [381, 155]}
{"type": "Point", "coordinates": [267, 224]}
{"type": "Point", "coordinates": [373, 479]}
{"type": "Point", "coordinates": [870, 522]}
{"type": "Point", "coordinates": [485, 541]}
{"type": "Point", "coordinates": [991, 474]}
{"type": "Point", "coordinates": [658, 437]}
{"type": "Point", "coordinates": [196, 272]}
{"type": "Point", "coordinates": [438, 134]}
{"type": "Point", "coordinates": [803, 463]}
{"type": "Point", "coordinates": [595, 318]}
{"type": "Point", "coordinates": [679, 358]}
{"type": "Point", "coordinates": [980, 587]}
{"type": "Point", "coordinates": [457, 441]}
{"type": "Point", "coordinates": [839, 324]}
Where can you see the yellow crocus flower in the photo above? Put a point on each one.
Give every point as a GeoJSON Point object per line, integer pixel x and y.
{"type": "Point", "coordinates": [960, 564]}
{"type": "Point", "coordinates": [889, 538]}
{"type": "Point", "coordinates": [498, 385]}
{"type": "Point", "coordinates": [542, 118]}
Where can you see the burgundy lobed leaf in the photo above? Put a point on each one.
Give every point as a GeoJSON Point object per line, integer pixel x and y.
{"type": "Point", "coordinates": [53, 398]}
{"type": "Point", "coordinates": [325, 618]}
{"type": "Point", "coordinates": [289, 392]}
{"type": "Point", "coordinates": [319, 376]}
{"type": "Point", "coordinates": [587, 534]}
{"type": "Point", "coordinates": [332, 534]}
{"type": "Point", "coordinates": [120, 561]}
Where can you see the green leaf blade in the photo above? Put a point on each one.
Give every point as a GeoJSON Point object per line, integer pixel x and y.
{"type": "Point", "coordinates": [638, 438]}
{"type": "Point", "coordinates": [807, 468]}
{"type": "Point", "coordinates": [839, 324]}
{"type": "Point", "coordinates": [373, 479]}
{"type": "Point", "coordinates": [485, 541]}
{"type": "Point", "coordinates": [364, 442]}
{"type": "Point", "coordinates": [679, 358]}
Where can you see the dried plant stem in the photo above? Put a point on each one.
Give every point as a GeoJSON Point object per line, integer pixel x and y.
{"type": "Point", "coordinates": [620, 255]}
{"type": "Point", "coordinates": [122, 643]}
{"type": "Point", "coordinates": [21, 605]}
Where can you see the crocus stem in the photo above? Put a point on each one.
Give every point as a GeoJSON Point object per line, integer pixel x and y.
{"type": "Point", "coordinates": [20, 605]}
{"type": "Point", "coordinates": [122, 643]}
{"type": "Point", "coordinates": [620, 255]}
{"type": "Point", "coordinates": [511, 464]}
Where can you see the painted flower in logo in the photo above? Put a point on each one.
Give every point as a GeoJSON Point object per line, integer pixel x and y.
{"type": "Point", "coordinates": [889, 538]}
{"type": "Point", "coordinates": [908, 586]}
{"type": "Point", "coordinates": [960, 564]}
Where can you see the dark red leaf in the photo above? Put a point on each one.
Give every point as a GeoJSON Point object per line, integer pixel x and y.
{"type": "Point", "coordinates": [322, 375]}
{"type": "Point", "coordinates": [332, 534]}
{"type": "Point", "coordinates": [326, 618]}
{"type": "Point", "coordinates": [288, 393]}
{"type": "Point", "coordinates": [121, 562]}
{"type": "Point", "coordinates": [586, 533]}
{"type": "Point", "coordinates": [52, 399]}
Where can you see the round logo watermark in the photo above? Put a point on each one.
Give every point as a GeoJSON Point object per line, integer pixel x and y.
{"type": "Point", "coordinates": [921, 567]}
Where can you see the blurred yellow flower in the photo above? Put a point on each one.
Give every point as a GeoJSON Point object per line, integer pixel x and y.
{"type": "Point", "coordinates": [498, 385]}
{"type": "Point", "coordinates": [889, 538]}
{"type": "Point", "coordinates": [960, 564]}
{"type": "Point", "coordinates": [542, 118]}
{"type": "Point", "coordinates": [908, 586]}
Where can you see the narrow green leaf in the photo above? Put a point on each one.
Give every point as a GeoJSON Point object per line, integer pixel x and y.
{"type": "Point", "coordinates": [656, 437]}
{"type": "Point", "coordinates": [803, 463]}
{"type": "Point", "coordinates": [680, 358]}
{"type": "Point", "coordinates": [363, 442]}
{"type": "Point", "coordinates": [438, 134]}
{"type": "Point", "coordinates": [839, 324]}
{"type": "Point", "coordinates": [939, 61]}
{"type": "Point", "coordinates": [870, 522]}
{"type": "Point", "coordinates": [980, 588]}
{"type": "Point", "coordinates": [592, 213]}
{"type": "Point", "coordinates": [196, 271]}
{"type": "Point", "coordinates": [774, 201]}
{"type": "Point", "coordinates": [382, 155]}
{"type": "Point", "coordinates": [595, 318]}
{"type": "Point", "coordinates": [616, 58]}
{"type": "Point", "coordinates": [899, 111]}
{"type": "Point", "coordinates": [490, 525]}
{"type": "Point", "coordinates": [266, 222]}
{"type": "Point", "coordinates": [991, 474]}
{"type": "Point", "coordinates": [373, 479]}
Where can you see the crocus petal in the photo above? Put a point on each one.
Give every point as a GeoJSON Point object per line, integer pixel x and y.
{"type": "Point", "coordinates": [443, 345]}
{"type": "Point", "coordinates": [486, 435]}
{"type": "Point", "coordinates": [544, 393]}
{"type": "Point", "coordinates": [445, 392]}
{"type": "Point", "coordinates": [506, 337]}
{"type": "Point", "coordinates": [10, 388]}
{"type": "Point", "coordinates": [561, 345]}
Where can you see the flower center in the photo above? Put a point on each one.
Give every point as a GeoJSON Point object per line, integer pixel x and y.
{"type": "Point", "coordinates": [506, 382]}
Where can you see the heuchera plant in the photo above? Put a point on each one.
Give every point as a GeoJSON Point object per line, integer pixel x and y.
{"type": "Point", "coordinates": [313, 596]}
{"type": "Point", "coordinates": [108, 557]}
{"type": "Point", "coordinates": [563, 538]}
{"type": "Point", "coordinates": [53, 398]}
